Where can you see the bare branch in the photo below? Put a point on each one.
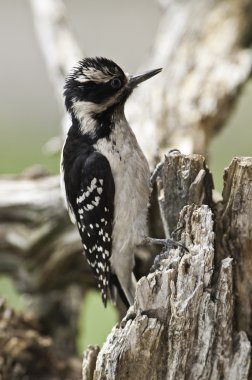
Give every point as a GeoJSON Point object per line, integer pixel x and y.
{"type": "Point", "coordinates": [59, 48]}
{"type": "Point", "coordinates": [42, 252]}
{"type": "Point", "coordinates": [203, 48]}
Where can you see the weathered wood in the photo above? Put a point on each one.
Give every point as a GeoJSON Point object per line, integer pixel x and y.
{"type": "Point", "coordinates": [42, 252]}
{"type": "Point", "coordinates": [34, 210]}
{"type": "Point", "coordinates": [179, 328]}
{"type": "Point", "coordinates": [193, 182]}
{"type": "Point", "coordinates": [89, 361]}
{"type": "Point", "coordinates": [183, 324]}
{"type": "Point", "coordinates": [235, 238]}
{"type": "Point", "coordinates": [204, 50]}
{"type": "Point", "coordinates": [26, 354]}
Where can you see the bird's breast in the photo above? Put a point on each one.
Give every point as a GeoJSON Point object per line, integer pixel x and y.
{"type": "Point", "coordinates": [131, 174]}
{"type": "Point", "coordinates": [127, 161]}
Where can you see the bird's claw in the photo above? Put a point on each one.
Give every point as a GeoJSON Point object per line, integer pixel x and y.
{"type": "Point", "coordinates": [169, 243]}
{"type": "Point", "coordinates": [156, 173]}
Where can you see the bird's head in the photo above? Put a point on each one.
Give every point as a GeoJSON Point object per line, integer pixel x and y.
{"type": "Point", "coordinates": [98, 84]}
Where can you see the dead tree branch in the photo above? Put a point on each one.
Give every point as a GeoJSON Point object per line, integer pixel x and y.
{"type": "Point", "coordinates": [41, 251]}
{"type": "Point", "coordinates": [206, 63]}
{"type": "Point", "coordinates": [58, 45]}
{"type": "Point", "coordinates": [60, 51]}
{"type": "Point", "coordinates": [184, 321]}
{"type": "Point", "coordinates": [204, 50]}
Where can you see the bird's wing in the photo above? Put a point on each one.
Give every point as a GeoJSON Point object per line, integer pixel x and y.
{"type": "Point", "coordinates": [94, 209]}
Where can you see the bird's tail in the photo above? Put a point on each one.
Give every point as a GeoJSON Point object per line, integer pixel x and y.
{"type": "Point", "coordinates": [116, 291]}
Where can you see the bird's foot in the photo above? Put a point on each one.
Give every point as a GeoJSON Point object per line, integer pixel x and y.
{"type": "Point", "coordinates": [156, 173]}
{"type": "Point", "coordinates": [131, 315]}
{"type": "Point", "coordinates": [168, 244]}
{"type": "Point", "coordinates": [158, 259]}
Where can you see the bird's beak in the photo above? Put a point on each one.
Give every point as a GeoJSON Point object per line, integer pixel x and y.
{"type": "Point", "coordinates": [134, 80]}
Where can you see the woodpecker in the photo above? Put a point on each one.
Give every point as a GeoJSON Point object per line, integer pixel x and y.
{"type": "Point", "coordinates": [104, 174]}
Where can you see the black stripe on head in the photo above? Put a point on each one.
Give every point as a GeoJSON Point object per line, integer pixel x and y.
{"type": "Point", "coordinates": [95, 92]}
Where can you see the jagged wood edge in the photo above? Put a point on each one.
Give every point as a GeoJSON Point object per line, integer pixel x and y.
{"type": "Point", "coordinates": [180, 328]}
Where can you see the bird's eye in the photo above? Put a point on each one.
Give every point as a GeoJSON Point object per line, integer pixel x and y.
{"type": "Point", "coordinates": [116, 83]}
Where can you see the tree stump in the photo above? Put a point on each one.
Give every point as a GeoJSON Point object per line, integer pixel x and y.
{"type": "Point", "coordinates": [187, 321]}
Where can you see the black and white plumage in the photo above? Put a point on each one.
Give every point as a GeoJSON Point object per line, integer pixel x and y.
{"type": "Point", "coordinates": [105, 176]}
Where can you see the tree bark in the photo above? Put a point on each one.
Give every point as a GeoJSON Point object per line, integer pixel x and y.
{"type": "Point", "coordinates": [187, 322]}
{"type": "Point", "coordinates": [235, 239]}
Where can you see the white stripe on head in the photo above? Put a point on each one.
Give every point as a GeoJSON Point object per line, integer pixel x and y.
{"type": "Point", "coordinates": [94, 75]}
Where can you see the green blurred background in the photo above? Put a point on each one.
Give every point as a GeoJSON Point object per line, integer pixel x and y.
{"type": "Point", "coordinates": [29, 114]}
